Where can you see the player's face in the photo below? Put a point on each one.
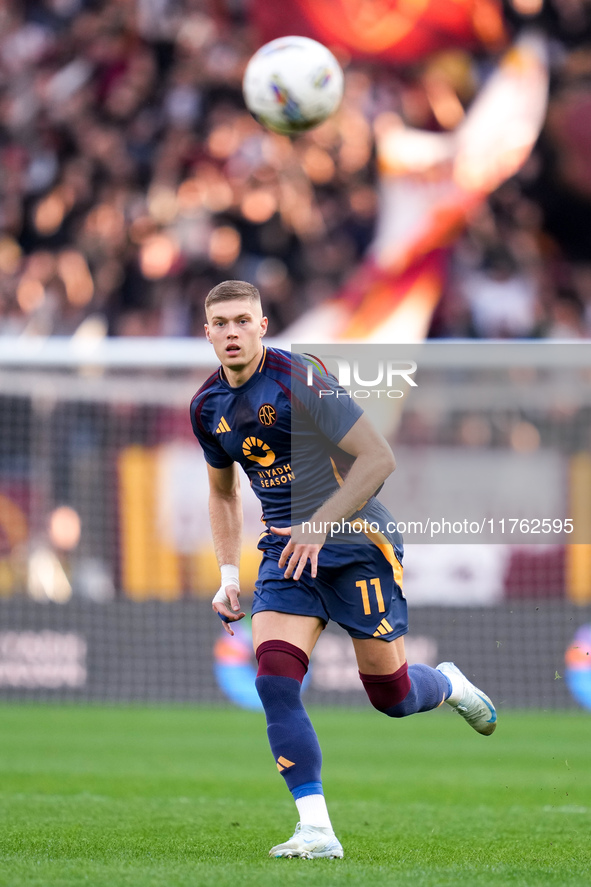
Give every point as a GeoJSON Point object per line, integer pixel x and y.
{"type": "Point", "coordinates": [235, 330]}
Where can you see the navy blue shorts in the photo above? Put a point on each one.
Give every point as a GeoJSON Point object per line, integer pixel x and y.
{"type": "Point", "coordinates": [358, 586]}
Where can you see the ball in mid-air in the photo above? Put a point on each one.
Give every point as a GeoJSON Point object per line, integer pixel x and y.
{"type": "Point", "coordinates": [292, 84]}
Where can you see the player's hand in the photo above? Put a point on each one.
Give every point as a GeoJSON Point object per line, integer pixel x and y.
{"type": "Point", "coordinates": [296, 554]}
{"type": "Point", "coordinates": [226, 604]}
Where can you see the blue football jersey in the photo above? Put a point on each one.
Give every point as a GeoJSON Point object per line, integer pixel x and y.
{"type": "Point", "coordinates": [283, 428]}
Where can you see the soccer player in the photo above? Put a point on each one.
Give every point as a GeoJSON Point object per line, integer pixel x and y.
{"type": "Point", "coordinates": [312, 461]}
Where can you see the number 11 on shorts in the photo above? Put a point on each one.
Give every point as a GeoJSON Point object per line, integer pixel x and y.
{"type": "Point", "coordinates": [362, 584]}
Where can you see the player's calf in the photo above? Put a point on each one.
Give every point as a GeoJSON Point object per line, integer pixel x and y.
{"type": "Point", "coordinates": [282, 667]}
{"type": "Point", "coordinates": [293, 741]}
{"type": "Point", "coordinates": [406, 691]}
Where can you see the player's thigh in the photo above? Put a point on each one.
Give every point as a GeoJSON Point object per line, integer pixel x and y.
{"type": "Point", "coordinates": [301, 631]}
{"type": "Point", "coordinates": [376, 656]}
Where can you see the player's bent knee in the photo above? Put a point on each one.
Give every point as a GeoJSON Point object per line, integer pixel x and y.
{"type": "Point", "coordinates": [281, 659]}
{"type": "Point", "coordinates": [387, 692]}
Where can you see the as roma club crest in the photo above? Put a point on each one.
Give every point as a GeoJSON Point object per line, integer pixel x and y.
{"type": "Point", "coordinates": [267, 415]}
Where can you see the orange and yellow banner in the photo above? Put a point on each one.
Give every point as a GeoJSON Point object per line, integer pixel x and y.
{"type": "Point", "coordinates": [394, 32]}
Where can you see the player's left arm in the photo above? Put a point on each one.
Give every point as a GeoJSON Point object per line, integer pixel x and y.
{"type": "Point", "coordinates": [374, 462]}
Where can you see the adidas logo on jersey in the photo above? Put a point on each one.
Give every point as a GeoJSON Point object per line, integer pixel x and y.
{"type": "Point", "coordinates": [383, 628]}
{"type": "Point", "coordinates": [223, 426]}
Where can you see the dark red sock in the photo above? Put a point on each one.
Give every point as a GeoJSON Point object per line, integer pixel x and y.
{"type": "Point", "coordinates": [282, 659]}
{"type": "Point", "coordinates": [387, 690]}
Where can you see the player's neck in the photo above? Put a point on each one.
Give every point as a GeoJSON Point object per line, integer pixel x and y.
{"type": "Point", "coordinates": [240, 375]}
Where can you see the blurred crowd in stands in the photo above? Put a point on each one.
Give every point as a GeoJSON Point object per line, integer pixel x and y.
{"type": "Point", "coordinates": [132, 179]}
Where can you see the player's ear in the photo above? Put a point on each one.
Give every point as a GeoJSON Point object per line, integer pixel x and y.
{"type": "Point", "coordinates": [264, 325]}
{"type": "Point", "coordinates": [206, 328]}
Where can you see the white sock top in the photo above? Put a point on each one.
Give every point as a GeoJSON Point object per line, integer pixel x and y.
{"type": "Point", "coordinates": [313, 811]}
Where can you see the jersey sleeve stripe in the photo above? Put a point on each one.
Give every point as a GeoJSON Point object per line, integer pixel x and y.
{"type": "Point", "coordinates": [211, 380]}
{"type": "Point", "coordinates": [198, 403]}
{"type": "Point", "coordinates": [293, 371]}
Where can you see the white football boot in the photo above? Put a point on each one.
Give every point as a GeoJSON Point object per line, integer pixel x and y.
{"type": "Point", "coordinates": [469, 702]}
{"type": "Point", "coordinates": [310, 842]}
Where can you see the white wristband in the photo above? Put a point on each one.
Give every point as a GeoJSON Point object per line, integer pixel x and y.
{"type": "Point", "coordinates": [229, 577]}
{"type": "Point", "coordinates": [230, 573]}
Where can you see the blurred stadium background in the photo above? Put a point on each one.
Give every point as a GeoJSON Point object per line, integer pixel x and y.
{"type": "Point", "coordinates": [449, 198]}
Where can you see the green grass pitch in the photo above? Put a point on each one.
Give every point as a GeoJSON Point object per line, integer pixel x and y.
{"type": "Point", "coordinates": [160, 797]}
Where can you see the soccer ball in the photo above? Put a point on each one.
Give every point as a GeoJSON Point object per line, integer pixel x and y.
{"type": "Point", "coordinates": [292, 84]}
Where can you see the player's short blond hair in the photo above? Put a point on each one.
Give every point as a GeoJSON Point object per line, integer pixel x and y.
{"type": "Point", "coordinates": [232, 289]}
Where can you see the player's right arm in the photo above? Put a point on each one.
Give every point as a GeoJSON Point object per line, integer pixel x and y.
{"type": "Point", "coordinates": [225, 514]}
